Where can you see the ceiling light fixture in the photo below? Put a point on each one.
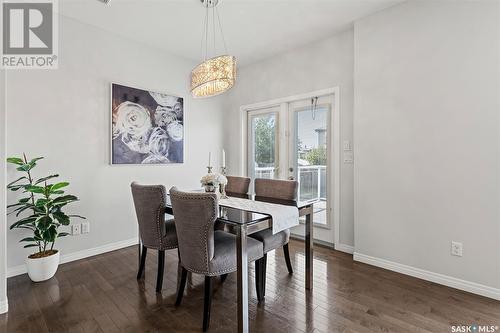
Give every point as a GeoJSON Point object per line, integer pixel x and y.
{"type": "Point", "coordinates": [214, 75]}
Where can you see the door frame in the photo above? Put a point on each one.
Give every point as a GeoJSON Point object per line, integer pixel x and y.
{"type": "Point", "coordinates": [334, 168]}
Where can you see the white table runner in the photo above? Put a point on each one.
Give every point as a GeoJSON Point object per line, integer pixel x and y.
{"type": "Point", "coordinates": [284, 217]}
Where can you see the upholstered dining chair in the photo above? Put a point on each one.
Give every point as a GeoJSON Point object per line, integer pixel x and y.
{"type": "Point", "coordinates": [282, 192]}
{"type": "Point", "coordinates": [237, 186]}
{"type": "Point", "coordinates": [202, 249]}
{"type": "Point", "coordinates": [155, 232]}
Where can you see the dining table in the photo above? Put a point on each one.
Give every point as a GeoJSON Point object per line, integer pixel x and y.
{"type": "Point", "coordinates": [243, 223]}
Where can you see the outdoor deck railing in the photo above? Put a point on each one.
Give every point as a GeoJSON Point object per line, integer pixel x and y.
{"type": "Point", "coordinates": [312, 180]}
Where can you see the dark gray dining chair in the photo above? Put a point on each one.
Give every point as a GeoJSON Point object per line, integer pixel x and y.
{"type": "Point", "coordinates": [202, 249]}
{"type": "Point", "coordinates": [282, 192]}
{"type": "Point", "coordinates": [155, 231]}
{"type": "Point", "coordinates": [237, 186]}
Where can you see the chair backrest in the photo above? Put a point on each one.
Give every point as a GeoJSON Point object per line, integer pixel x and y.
{"type": "Point", "coordinates": [282, 192]}
{"type": "Point", "coordinates": [195, 216]}
{"type": "Point", "coordinates": [237, 186]}
{"type": "Point", "coordinates": [149, 202]}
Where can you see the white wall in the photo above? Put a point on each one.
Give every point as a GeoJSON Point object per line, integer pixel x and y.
{"type": "Point", "coordinates": [3, 231]}
{"type": "Point", "coordinates": [64, 115]}
{"type": "Point", "coordinates": [323, 64]}
{"type": "Point", "coordinates": [427, 140]}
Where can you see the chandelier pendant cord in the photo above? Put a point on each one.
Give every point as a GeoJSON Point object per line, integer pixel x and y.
{"type": "Point", "coordinates": [213, 29]}
{"type": "Point", "coordinates": [203, 36]}
{"type": "Point", "coordinates": [221, 31]}
{"type": "Point", "coordinates": [205, 32]}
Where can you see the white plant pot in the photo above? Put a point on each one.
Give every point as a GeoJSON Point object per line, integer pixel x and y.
{"type": "Point", "coordinates": [42, 269]}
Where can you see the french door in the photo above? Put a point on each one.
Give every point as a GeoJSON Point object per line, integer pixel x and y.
{"type": "Point", "coordinates": [293, 140]}
{"type": "Point", "coordinates": [309, 153]}
{"type": "Point", "coordinates": [263, 143]}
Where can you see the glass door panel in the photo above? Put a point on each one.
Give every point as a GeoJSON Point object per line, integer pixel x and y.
{"type": "Point", "coordinates": [263, 144]}
{"type": "Point", "coordinates": [309, 154]}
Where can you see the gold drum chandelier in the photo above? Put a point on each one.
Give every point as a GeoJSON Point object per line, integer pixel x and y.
{"type": "Point", "coordinates": [217, 74]}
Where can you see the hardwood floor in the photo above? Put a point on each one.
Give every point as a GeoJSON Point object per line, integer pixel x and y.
{"type": "Point", "coordinates": [101, 294]}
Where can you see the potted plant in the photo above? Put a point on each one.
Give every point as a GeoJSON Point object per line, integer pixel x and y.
{"type": "Point", "coordinates": [42, 208]}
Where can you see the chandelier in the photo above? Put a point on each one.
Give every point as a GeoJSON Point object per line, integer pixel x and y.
{"type": "Point", "coordinates": [214, 75]}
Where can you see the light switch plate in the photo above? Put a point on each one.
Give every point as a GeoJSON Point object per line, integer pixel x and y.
{"type": "Point", "coordinates": [348, 158]}
{"type": "Point", "coordinates": [347, 145]}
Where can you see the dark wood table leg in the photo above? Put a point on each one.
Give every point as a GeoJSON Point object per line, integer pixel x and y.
{"type": "Point", "coordinates": [309, 249]}
{"type": "Point", "coordinates": [242, 262]}
{"type": "Point", "coordinates": [139, 247]}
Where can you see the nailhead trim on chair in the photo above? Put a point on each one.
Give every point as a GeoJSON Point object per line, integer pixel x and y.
{"type": "Point", "coordinates": [160, 216]}
{"type": "Point", "coordinates": [213, 218]}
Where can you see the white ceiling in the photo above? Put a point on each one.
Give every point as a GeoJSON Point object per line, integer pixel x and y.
{"type": "Point", "coordinates": [254, 29]}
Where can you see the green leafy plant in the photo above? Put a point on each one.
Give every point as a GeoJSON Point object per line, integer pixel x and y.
{"type": "Point", "coordinates": [42, 206]}
{"type": "Point", "coordinates": [316, 156]}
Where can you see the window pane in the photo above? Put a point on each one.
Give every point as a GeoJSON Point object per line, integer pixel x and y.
{"type": "Point", "coordinates": [312, 158]}
{"type": "Point", "coordinates": [264, 145]}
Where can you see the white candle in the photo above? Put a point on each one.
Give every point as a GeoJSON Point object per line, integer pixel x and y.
{"type": "Point", "coordinates": [209, 157]}
{"type": "Point", "coordinates": [223, 158]}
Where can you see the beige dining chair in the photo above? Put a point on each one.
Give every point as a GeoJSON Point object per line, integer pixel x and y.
{"type": "Point", "coordinates": [237, 186]}
{"type": "Point", "coordinates": [282, 192]}
{"type": "Point", "coordinates": [204, 250]}
{"type": "Point", "coordinates": [155, 231]}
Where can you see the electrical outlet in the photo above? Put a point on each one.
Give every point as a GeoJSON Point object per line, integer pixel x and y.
{"type": "Point", "coordinates": [85, 227]}
{"type": "Point", "coordinates": [456, 249]}
{"type": "Point", "coordinates": [76, 229]}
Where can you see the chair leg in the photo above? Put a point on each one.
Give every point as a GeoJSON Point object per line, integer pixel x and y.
{"type": "Point", "coordinates": [207, 303]}
{"type": "Point", "coordinates": [223, 278]}
{"type": "Point", "coordinates": [258, 278]}
{"type": "Point", "coordinates": [144, 252]}
{"type": "Point", "coordinates": [263, 273]}
{"type": "Point", "coordinates": [161, 265]}
{"type": "Point", "coordinates": [182, 285]}
{"type": "Point", "coordinates": [287, 258]}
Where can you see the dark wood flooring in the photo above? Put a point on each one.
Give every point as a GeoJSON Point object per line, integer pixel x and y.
{"type": "Point", "coordinates": [101, 294]}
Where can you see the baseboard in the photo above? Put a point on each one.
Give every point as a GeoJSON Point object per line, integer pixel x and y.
{"type": "Point", "coordinates": [344, 248]}
{"type": "Point", "coordinates": [448, 281]}
{"type": "Point", "coordinates": [4, 306]}
{"type": "Point", "coordinates": [339, 247]}
{"type": "Point", "coordinates": [316, 241]}
{"type": "Point", "coordinates": [21, 269]}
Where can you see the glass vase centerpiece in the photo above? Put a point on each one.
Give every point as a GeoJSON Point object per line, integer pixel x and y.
{"type": "Point", "coordinates": [211, 182]}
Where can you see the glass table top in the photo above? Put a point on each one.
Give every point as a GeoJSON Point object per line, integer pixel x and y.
{"type": "Point", "coordinates": [237, 216]}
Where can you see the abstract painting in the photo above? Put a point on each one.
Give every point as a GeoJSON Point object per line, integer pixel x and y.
{"type": "Point", "coordinates": [148, 127]}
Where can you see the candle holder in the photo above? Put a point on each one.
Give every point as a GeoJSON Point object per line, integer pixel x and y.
{"type": "Point", "coordinates": [209, 168]}
{"type": "Point", "coordinates": [223, 186]}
